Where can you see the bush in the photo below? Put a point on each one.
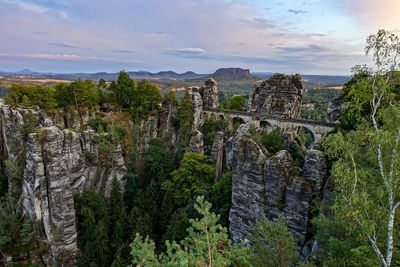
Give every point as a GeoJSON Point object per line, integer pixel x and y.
{"type": "Point", "coordinates": [96, 122]}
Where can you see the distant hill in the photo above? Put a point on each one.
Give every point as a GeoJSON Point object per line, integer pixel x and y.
{"type": "Point", "coordinates": [165, 75]}
{"type": "Point", "coordinates": [321, 79]}
{"type": "Point", "coordinates": [232, 74]}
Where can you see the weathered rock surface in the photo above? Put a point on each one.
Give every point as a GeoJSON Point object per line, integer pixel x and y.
{"type": "Point", "coordinates": [297, 205]}
{"type": "Point", "coordinates": [167, 132]}
{"type": "Point", "coordinates": [204, 97]}
{"type": "Point", "coordinates": [217, 154]}
{"type": "Point", "coordinates": [209, 93]}
{"type": "Point", "coordinates": [272, 186]}
{"type": "Point", "coordinates": [196, 143]}
{"type": "Point", "coordinates": [197, 107]}
{"type": "Point", "coordinates": [278, 170]}
{"type": "Point", "coordinates": [58, 163]}
{"type": "Point", "coordinates": [280, 95]}
{"type": "Point", "coordinates": [248, 200]}
{"type": "Point", "coordinates": [243, 130]}
{"type": "Point", "coordinates": [335, 107]}
{"type": "Point", "coordinates": [314, 170]}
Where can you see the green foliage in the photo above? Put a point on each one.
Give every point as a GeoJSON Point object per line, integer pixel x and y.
{"type": "Point", "coordinates": [93, 224]}
{"type": "Point", "coordinates": [186, 117]}
{"type": "Point", "coordinates": [29, 96]}
{"type": "Point", "coordinates": [31, 124]}
{"type": "Point", "coordinates": [237, 102]}
{"type": "Point", "coordinates": [102, 84]}
{"type": "Point", "coordinates": [221, 197]}
{"type": "Point", "coordinates": [210, 127]}
{"type": "Point", "coordinates": [317, 113]}
{"type": "Point", "coordinates": [272, 141]}
{"type": "Point", "coordinates": [124, 90]}
{"type": "Point", "coordinates": [158, 161]}
{"type": "Point", "coordinates": [130, 189]}
{"type": "Point", "coordinates": [194, 177]}
{"type": "Point", "coordinates": [96, 123]}
{"type": "Point", "coordinates": [273, 245]}
{"type": "Point", "coordinates": [297, 154]}
{"type": "Point", "coordinates": [79, 93]}
{"type": "Point", "coordinates": [16, 230]}
{"type": "Point", "coordinates": [206, 245]}
{"type": "Point", "coordinates": [118, 133]}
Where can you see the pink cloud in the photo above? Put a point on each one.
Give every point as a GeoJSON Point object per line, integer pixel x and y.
{"type": "Point", "coordinates": [374, 14]}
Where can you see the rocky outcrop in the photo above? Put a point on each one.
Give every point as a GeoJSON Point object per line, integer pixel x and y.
{"type": "Point", "coordinates": [204, 97]}
{"type": "Point", "coordinates": [209, 93]}
{"type": "Point", "coordinates": [335, 107]}
{"type": "Point", "coordinates": [271, 187]}
{"type": "Point", "coordinates": [248, 199]}
{"type": "Point", "coordinates": [56, 164]}
{"type": "Point", "coordinates": [297, 206]}
{"type": "Point", "coordinates": [243, 130]}
{"type": "Point", "coordinates": [314, 170]}
{"type": "Point", "coordinates": [167, 132]}
{"type": "Point", "coordinates": [278, 171]}
{"type": "Point", "coordinates": [280, 95]}
{"type": "Point", "coordinates": [196, 143]}
{"type": "Point", "coordinates": [217, 154]}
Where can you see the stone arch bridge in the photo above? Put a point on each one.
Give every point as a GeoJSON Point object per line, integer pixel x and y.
{"type": "Point", "coordinates": [318, 128]}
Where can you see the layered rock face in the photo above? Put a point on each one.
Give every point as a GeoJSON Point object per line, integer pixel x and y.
{"type": "Point", "coordinates": [58, 163]}
{"type": "Point", "coordinates": [271, 186]}
{"type": "Point", "coordinates": [335, 107]}
{"type": "Point", "coordinates": [204, 97]}
{"type": "Point", "coordinates": [248, 200]}
{"type": "Point", "coordinates": [281, 95]}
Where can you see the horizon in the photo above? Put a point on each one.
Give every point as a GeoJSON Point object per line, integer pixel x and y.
{"type": "Point", "coordinates": [310, 36]}
{"type": "Point", "coordinates": [15, 72]}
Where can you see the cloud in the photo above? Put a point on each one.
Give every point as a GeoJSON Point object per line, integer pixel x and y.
{"type": "Point", "coordinates": [123, 51]}
{"type": "Point", "coordinates": [373, 14]}
{"type": "Point", "coordinates": [310, 48]}
{"type": "Point", "coordinates": [294, 11]}
{"type": "Point", "coordinates": [62, 45]}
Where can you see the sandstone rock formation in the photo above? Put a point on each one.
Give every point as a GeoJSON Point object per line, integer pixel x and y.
{"type": "Point", "coordinates": [167, 132]}
{"type": "Point", "coordinates": [196, 143]}
{"type": "Point", "coordinates": [272, 186]}
{"type": "Point", "coordinates": [204, 97]}
{"type": "Point", "coordinates": [217, 154]}
{"type": "Point", "coordinates": [280, 95]}
{"type": "Point", "coordinates": [243, 130]}
{"type": "Point", "coordinates": [335, 107]}
{"type": "Point", "coordinates": [248, 199]}
{"type": "Point", "coordinates": [58, 163]}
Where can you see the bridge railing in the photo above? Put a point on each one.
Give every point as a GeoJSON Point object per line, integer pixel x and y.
{"type": "Point", "coordinates": [263, 117]}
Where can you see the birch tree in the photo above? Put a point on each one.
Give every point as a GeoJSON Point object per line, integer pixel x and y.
{"type": "Point", "coordinates": [367, 172]}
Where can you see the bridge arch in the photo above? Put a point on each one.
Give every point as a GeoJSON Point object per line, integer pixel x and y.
{"type": "Point", "coordinates": [309, 137]}
{"type": "Point", "coordinates": [236, 120]}
{"type": "Point", "coordinates": [266, 125]}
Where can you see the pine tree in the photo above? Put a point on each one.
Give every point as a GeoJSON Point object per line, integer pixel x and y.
{"type": "Point", "coordinates": [186, 117]}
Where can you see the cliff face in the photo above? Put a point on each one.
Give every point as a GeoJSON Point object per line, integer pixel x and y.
{"type": "Point", "coordinates": [271, 186]}
{"type": "Point", "coordinates": [55, 164]}
{"type": "Point", "coordinates": [280, 95]}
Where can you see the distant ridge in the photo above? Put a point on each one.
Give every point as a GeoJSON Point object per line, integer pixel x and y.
{"type": "Point", "coordinates": [232, 74]}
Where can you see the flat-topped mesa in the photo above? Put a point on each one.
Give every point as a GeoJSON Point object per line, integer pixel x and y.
{"type": "Point", "coordinates": [281, 95]}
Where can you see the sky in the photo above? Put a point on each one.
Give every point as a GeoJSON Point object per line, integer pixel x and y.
{"type": "Point", "coordinates": [288, 36]}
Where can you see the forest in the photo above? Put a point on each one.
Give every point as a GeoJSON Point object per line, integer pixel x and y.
{"type": "Point", "coordinates": [172, 211]}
